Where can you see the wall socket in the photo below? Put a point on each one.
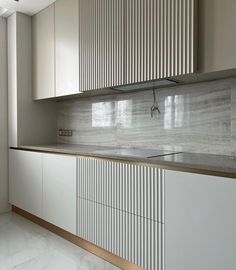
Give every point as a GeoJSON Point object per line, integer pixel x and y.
{"type": "Point", "coordinates": [65, 133]}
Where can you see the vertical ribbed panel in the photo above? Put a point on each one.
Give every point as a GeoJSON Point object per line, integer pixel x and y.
{"type": "Point", "coordinates": [120, 208]}
{"type": "Point", "coordinates": [129, 41]}
{"type": "Point", "coordinates": [131, 237]}
{"type": "Point", "coordinates": [160, 39]}
{"type": "Point", "coordinates": [101, 41]}
{"type": "Point", "coordinates": [131, 188]}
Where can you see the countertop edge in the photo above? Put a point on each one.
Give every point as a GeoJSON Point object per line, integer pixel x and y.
{"type": "Point", "coordinates": [137, 161]}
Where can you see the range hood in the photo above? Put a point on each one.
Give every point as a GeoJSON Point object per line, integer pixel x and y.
{"type": "Point", "coordinates": [146, 85]}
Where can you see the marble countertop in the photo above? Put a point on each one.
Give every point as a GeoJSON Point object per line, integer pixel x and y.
{"type": "Point", "coordinates": [217, 165]}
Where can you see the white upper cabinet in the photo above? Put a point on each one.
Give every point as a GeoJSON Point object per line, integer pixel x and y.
{"type": "Point", "coordinates": [127, 41]}
{"type": "Point", "coordinates": [107, 43]}
{"type": "Point", "coordinates": [86, 45]}
{"type": "Point", "coordinates": [200, 222]}
{"type": "Point", "coordinates": [66, 46]}
{"type": "Point", "coordinates": [160, 38]}
{"type": "Point", "coordinates": [101, 43]}
{"type": "Point", "coordinates": [43, 54]}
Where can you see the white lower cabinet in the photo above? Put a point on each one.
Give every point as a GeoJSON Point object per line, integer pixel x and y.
{"type": "Point", "coordinates": [128, 187]}
{"type": "Point", "coordinates": [120, 209]}
{"type": "Point", "coordinates": [25, 181]}
{"type": "Point", "coordinates": [200, 222]}
{"type": "Point", "coordinates": [45, 186]}
{"type": "Point", "coordinates": [131, 237]}
{"type": "Point", "coordinates": [159, 220]}
{"type": "Point", "coordinates": [59, 191]}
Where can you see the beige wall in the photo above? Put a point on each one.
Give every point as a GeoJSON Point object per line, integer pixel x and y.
{"type": "Point", "coordinates": [4, 206]}
{"type": "Point", "coordinates": [217, 39]}
{"type": "Point", "coordinates": [29, 122]}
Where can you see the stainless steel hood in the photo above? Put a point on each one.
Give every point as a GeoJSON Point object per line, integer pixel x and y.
{"type": "Point", "coordinates": [146, 85]}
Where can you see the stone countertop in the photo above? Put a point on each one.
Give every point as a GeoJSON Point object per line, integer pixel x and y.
{"type": "Point", "coordinates": [209, 164]}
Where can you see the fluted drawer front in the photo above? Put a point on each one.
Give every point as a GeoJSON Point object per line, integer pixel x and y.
{"type": "Point", "coordinates": [134, 238]}
{"type": "Point", "coordinates": [160, 38]}
{"type": "Point", "coordinates": [131, 188]}
{"type": "Point", "coordinates": [100, 43]}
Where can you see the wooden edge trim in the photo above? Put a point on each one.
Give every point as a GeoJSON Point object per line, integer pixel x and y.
{"type": "Point", "coordinates": [102, 253]}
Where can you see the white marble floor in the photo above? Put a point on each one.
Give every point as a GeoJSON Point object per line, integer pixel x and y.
{"type": "Point", "coordinates": [26, 246]}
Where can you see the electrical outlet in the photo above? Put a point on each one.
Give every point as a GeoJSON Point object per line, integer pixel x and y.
{"type": "Point", "coordinates": [65, 133]}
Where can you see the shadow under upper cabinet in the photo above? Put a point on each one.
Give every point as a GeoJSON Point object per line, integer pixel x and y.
{"type": "Point", "coordinates": [145, 85]}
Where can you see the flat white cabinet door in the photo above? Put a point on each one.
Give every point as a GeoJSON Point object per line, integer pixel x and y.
{"type": "Point", "coordinates": [25, 181]}
{"type": "Point", "coordinates": [200, 222]}
{"type": "Point", "coordinates": [59, 191]}
{"type": "Point", "coordinates": [43, 54]}
{"type": "Point", "coordinates": [66, 44]}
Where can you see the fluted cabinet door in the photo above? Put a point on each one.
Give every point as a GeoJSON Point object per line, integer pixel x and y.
{"type": "Point", "coordinates": [160, 38]}
{"type": "Point", "coordinates": [128, 187]}
{"type": "Point", "coordinates": [66, 47]}
{"type": "Point", "coordinates": [133, 238]}
{"type": "Point", "coordinates": [120, 208]}
{"type": "Point", "coordinates": [101, 40]}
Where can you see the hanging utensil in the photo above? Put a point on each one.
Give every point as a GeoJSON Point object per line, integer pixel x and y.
{"type": "Point", "coordinates": [155, 105]}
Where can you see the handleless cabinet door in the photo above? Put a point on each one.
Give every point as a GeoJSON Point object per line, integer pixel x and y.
{"type": "Point", "coordinates": [59, 191]}
{"type": "Point", "coordinates": [120, 208]}
{"type": "Point", "coordinates": [25, 181]}
{"type": "Point", "coordinates": [160, 38]}
{"type": "Point", "coordinates": [130, 188]}
{"type": "Point", "coordinates": [200, 222]}
{"type": "Point", "coordinates": [66, 47]}
{"type": "Point", "coordinates": [43, 54]}
{"type": "Point", "coordinates": [101, 43]}
{"type": "Point", "coordinates": [131, 237]}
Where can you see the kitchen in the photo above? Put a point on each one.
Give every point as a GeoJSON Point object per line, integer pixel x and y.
{"type": "Point", "coordinates": [118, 146]}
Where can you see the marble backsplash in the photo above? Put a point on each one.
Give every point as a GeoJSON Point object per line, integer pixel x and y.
{"type": "Point", "coordinates": [197, 118]}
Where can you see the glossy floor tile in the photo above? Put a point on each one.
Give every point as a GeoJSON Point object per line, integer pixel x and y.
{"type": "Point", "coordinates": [25, 245]}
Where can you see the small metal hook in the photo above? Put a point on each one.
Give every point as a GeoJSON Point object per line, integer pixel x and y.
{"type": "Point", "coordinates": [155, 105]}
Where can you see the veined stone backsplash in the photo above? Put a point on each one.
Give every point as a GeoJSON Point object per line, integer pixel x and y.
{"type": "Point", "coordinates": [197, 118]}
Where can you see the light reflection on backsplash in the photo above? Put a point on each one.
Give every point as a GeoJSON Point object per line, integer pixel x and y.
{"type": "Point", "coordinates": [102, 114]}
{"type": "Point", "coordinates": [194, 118]}
{"type": "Point", "coordinates": [174, 111]}
{"type": "Point", "coordinates": [122, 118]}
